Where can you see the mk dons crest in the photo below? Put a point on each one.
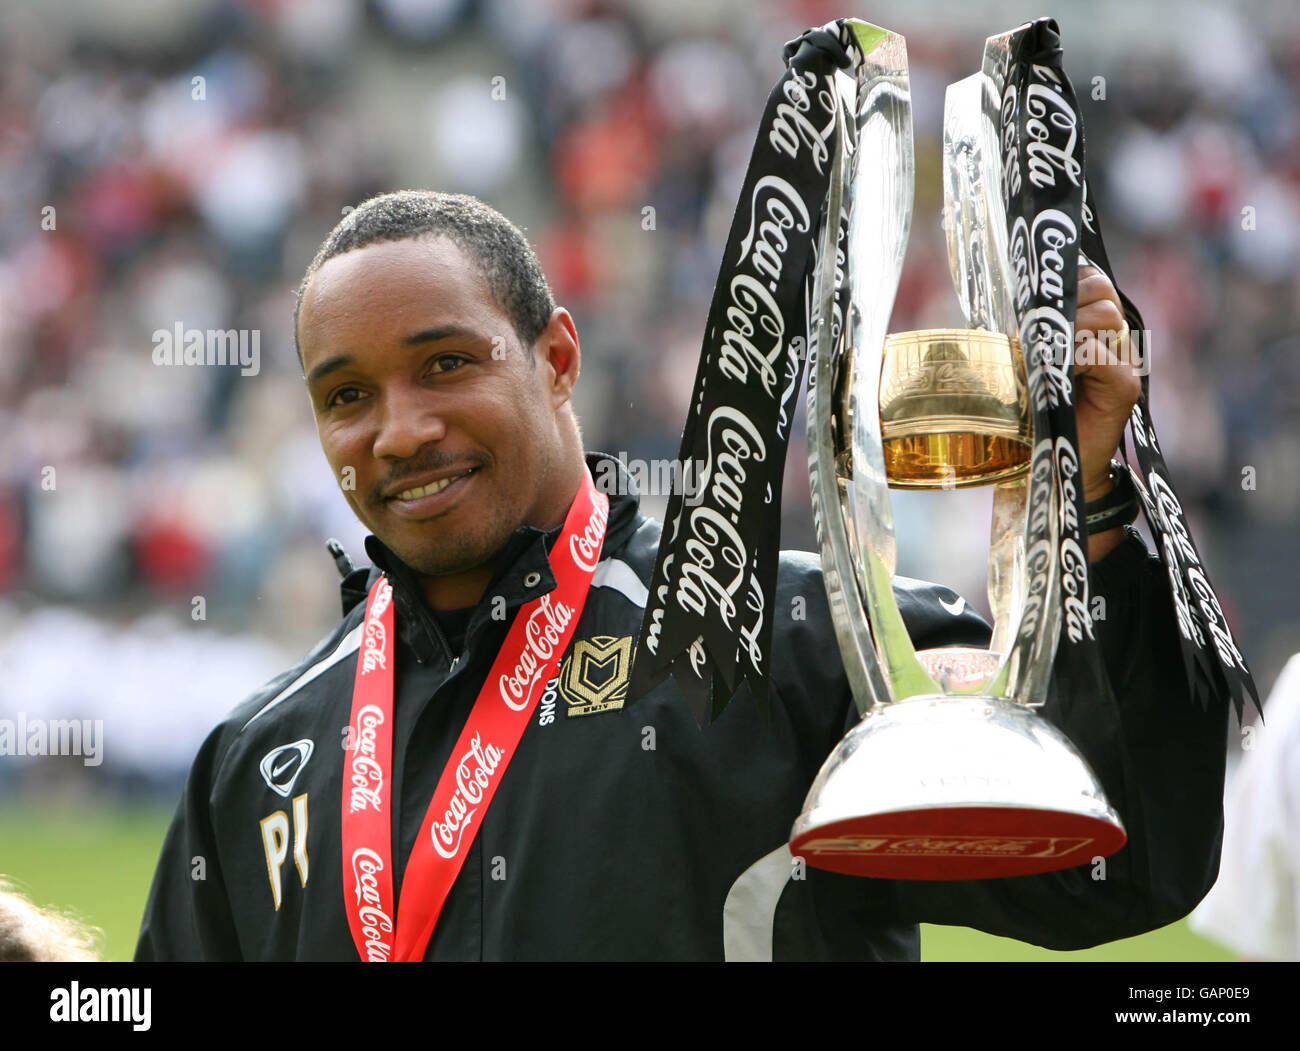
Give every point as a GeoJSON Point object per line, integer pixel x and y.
{"type": "Point", "coordinates": [595, 676]}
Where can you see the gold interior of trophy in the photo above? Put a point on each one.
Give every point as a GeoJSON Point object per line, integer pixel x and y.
{"type": "Point", "coordinates": [954, 409]}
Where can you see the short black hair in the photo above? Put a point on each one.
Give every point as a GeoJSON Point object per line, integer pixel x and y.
{"type": "Point", "coordinates": [503, 253]}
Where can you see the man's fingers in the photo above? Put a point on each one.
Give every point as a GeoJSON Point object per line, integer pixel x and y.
{"type": "Point", "coordinates": [1107, 377]}
{"type": "Point", "coordinates": [1101, 330]}
{"type": "Point", "coordinates": [1103, 316]}
{"type": "Point", "coordinates": [1094, 287]}
{"type": "Point", "coordinates": [1102, 338]}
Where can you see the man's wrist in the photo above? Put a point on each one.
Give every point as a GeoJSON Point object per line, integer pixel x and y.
{"type": "Point", "coordinates": [1099, 488]}
{"type": "Point", "coordinates": [1107, 510]}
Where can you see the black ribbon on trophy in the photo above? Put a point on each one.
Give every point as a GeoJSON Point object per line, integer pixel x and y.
{"type": "Point", "coordinates": [709, 614]}
{"type": "Point", "coordinates": [1047, 199]}
{"type": "Point", "coordinates": [708, 618]}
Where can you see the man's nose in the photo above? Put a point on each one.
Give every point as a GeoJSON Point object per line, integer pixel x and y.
{"type": "Point", "coordinates": [407, 423]}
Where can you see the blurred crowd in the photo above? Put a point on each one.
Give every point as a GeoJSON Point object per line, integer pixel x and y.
{"type": "Point", "coordinates": [162, 528]}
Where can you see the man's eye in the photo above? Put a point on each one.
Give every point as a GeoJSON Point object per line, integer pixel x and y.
{"type": "Point", "coordinates": [341, 397]}
{"type": "Point", "coordinates": [448, 363]}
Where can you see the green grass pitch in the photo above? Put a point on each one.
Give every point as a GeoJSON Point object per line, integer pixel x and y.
{"type": "Point", "coordinates": [97, 864]}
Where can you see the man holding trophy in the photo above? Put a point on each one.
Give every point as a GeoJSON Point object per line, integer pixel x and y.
{"type": "Point", "coordinates": [520, 775]}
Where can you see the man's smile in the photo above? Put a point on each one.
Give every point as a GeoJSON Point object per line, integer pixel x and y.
{"type": "Point", "coordinates": [418, 499]}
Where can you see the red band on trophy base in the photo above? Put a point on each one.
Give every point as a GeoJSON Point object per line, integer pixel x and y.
{"type": "Point", "coordinates": [958, 842]}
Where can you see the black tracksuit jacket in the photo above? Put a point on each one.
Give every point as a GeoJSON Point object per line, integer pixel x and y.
{"type": "Point", "coordinates": [631, 833]}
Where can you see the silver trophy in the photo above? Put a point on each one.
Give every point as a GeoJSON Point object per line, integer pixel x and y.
{"type": "Point", "coordinates": [950, 774]}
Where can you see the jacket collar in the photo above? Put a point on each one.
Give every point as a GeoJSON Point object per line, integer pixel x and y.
{"type": "Point", "coordinates": [526, 553]}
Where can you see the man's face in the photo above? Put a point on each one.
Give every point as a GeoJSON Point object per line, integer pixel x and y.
{"type": "Point", "coordinates": [420, 385]}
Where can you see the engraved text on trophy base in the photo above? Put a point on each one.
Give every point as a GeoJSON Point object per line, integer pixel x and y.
{"type": "Point", "coordinates": [950, 846]}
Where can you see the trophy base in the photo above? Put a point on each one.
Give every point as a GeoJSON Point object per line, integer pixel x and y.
{"type": "Point", "coordinates": [945, 787]}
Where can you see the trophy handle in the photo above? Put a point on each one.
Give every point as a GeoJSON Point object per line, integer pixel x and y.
{"type": "Point", "coordinates": [880, 191]}
{"type": "Point", "coordinates": [868, 684]}
{"type": "Point", "coordinates": [1022, 574]}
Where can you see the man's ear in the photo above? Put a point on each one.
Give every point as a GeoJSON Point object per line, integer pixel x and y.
{"type": "Point", "coordinates": [558, 351]}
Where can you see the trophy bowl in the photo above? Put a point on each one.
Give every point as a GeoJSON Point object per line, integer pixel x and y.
{"type": "Point", "coordinates": [954, 409]}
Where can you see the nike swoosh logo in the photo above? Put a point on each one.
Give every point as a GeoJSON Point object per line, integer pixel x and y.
{"type": "Point", "coordinates": [288, 760]}
{"type": "Point", "coordinates": [954, 608]}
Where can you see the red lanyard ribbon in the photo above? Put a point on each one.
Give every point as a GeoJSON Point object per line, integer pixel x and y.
{"type": "Point", "coordinates": [528, 659]}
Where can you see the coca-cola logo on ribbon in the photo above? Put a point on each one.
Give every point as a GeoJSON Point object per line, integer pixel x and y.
{"type": "Point", "coordinates": [376, 924]}
{"type": "Point", "coordinates": [366, 770]}
{"type": "Point", "coordinates": [584, 547]}
{"type": "Point", "coordinates": [374, 638]}
{"type": "Point", "coordinates": [542, 633]}
{"type": "Point", "coordinates": [473, 775]}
